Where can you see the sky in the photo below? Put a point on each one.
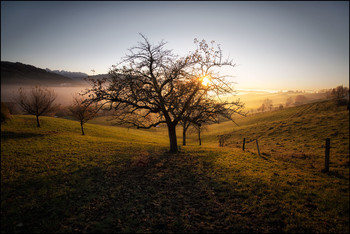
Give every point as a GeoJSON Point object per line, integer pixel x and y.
{"type": "Point", "coordinates": [275, 45]}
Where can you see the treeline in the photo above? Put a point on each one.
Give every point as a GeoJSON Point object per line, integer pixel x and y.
{"type": "Point", "coordinates": [339, 94]}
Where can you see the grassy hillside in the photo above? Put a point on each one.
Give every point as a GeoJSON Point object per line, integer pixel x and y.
{"type": "Point", "coordinates": [119, 180]}
{"type": "Point", "coordinates": [294, 134]}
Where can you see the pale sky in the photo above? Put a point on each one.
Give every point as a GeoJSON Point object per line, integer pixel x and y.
{"type": "Point", "coordinates": [276, 45]}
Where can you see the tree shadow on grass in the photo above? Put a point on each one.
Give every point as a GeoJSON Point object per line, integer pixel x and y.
{"type": "Point", "coordinates": [42, 203]}
{"type": "Point", "coordinates": [166, 193]}
{"type": "Point", "coordinates": [7, 135]}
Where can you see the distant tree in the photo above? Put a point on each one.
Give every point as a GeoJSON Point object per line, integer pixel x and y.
{"type": "Point", "coordinates": [39, 101]}
{"type": "Point", "coordinates": [300, 99]}
{"type": "Point", "coordinates": [204, 112]}
{"type": "Point", "coordinates": [198, 128]}
{"type": "Point", "coordinates": [266, 105]}
{"type": "Point", "coordinates": [5, 113]}
{"type": "Point", "coordinates": [261, 108]}
{"type": "Point", "coordinates": [280, 107]}
{"type": "Point", "coordinates": [147, 87]}
{"type": "Point", "coordinates": [340, 94]}
{"type": "Point", "coordinates": [289, 101]}
{"type": "Point", "coordinates": [83, 110]}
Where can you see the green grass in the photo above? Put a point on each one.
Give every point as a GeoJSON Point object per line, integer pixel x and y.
{"type": "Point", "coordinates": [113, 179]}
{"type": "Point", "coordinates": [295, 134]}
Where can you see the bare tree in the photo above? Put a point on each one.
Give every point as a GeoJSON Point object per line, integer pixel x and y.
{"type": "Point", "coordinates": [83, 110]}
{"type": "Point", "coordinates": [151, 85]}
{"type": "Point", "coordinates": [198, 128]}
{"type": "Point", "coordinates": [300, 99]}
{"type": "Point", "coordinates": [339, 92]}
{"type": "Point", "coordinates": [289, 101]}
{"type": "Point", "coordinates": [206, 111]}
{"type": "Point", "coordinates": [266, 105]}
{"type": "Point", "coordinates": [39, 101]}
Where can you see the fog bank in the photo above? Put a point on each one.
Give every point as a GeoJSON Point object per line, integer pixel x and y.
{"type": "Point", "coordinates": [64, 94]}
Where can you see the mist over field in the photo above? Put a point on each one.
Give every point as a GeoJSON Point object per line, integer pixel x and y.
{"type": "Point", "coordinates": [64, 93]}
{"type": "Point", "coordinates": [251, 98]}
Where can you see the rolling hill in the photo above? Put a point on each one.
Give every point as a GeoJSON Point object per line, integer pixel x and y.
{"type": "Point", "coordinates": [72, 75]}
{"type": "Point", "coordinates": [294, 134]}
{"type": "Point", "coordinates": [19, 73]}
{"type": "Point", "coordinates": [114, 179]}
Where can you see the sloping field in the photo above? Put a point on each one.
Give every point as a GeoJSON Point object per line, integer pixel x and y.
{"type": "Point", "coordinates": [295, 134]}
{"type": "Point", "coordinates": [119, 180]}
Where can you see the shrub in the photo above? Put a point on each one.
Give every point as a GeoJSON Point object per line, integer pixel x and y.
{"type": "Point", "coordinates": [342, 102]}
{"type": "Point", "coordinates": [5, 113]}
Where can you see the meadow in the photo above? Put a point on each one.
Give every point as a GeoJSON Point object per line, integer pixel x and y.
{"type": "Point", "coordinates": [114, 179]}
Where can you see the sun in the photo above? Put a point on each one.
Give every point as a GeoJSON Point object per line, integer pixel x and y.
{"type": "Point", "coordinates": [205, 81]}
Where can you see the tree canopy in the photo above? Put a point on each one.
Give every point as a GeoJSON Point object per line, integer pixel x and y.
{"type": "Point", "coordinates": [39, 101]}
{"type": "Point", "coordinates": [153, 86]}
{"type": "Point", "coordinates": [83, 110]}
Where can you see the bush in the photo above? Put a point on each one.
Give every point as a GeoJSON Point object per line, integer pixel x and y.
{"type": "Point", "coordinates": [5, 113]}
{"type": "Point", "coordinates": [342, 102]}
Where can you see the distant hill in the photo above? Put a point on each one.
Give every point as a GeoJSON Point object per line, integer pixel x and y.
{"type": "Point", "coordinates": [19, 73]}
{"type": "Point", "coordinates": [72, 75]}
{"type": "Point", "coordinates": [100, 76]}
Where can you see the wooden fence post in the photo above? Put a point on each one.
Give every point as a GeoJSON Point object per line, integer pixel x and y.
{"type": "Point", "coordinates": [257, 145]}
{"type": "Point", "coordinates": [326, 164]}
{"type": "Point", "coordinates": [243, 144]}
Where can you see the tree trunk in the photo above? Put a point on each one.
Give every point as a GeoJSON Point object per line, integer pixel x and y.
{"type": "Point", "coordinates": [82, 128]}
{"type": "Point", "coordinates": [172, 137]}
{"type": "Point", "coordinates": [199, 135]}
{"type": "Point", "coordinates": [184, 134]}
{"type": "Point", "coordinates": [37, 121]}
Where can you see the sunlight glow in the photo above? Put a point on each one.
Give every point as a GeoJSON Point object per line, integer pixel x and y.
{"type": "Point", "coordinates": [205, 81]}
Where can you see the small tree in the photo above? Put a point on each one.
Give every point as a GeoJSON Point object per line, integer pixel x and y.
{"type": "Point", "coordinates": [266, 105]}
{"type": "Point", "coordinates": [82, 110]}
{"type": "Point", "coordinates": [340, 94]}
{"type": "Point", "coordinates": [204, 112]}
{"type": "Point", "coordinates": [262, 108]}
{"type": "Point", "coordinates": [39, 101]}
{"type": "Point", "coordinates": [198, 128]}
{"type": "Point", "coordinates": [289, 101]}
{"type": "Point", "coordinates": [300, 99]}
